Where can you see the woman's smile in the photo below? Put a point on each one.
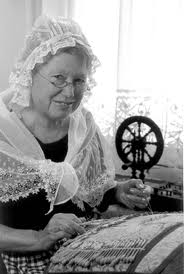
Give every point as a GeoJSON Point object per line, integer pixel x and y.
{"type": "Point", "coordinates": [63, 104]}
{"type": "Point", "coordinates": [58, 102]}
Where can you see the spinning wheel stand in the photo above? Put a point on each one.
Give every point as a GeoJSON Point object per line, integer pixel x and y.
{"type": "Point", "coordinates": [139, 144]}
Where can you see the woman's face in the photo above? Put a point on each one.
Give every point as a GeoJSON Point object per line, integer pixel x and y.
{"type": "Point", "coordinates": [55, 102]}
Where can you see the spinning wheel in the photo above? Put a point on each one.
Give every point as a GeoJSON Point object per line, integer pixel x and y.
{"type": "Point", "coordinates": [139, 144]}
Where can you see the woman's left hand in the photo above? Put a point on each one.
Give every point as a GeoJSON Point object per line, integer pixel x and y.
{"type": "Point", "coordinates": [133, 193]}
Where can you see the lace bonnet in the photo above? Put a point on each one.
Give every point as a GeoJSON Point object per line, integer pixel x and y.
{"type": "Point", "coordinates": [48, 35]}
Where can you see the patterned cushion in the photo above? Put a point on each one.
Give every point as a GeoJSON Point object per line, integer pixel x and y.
{"type": "Point", "coordinates": [130, 244]}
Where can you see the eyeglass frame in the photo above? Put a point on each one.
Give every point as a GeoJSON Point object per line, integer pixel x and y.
{"type": "Point", "coordinates": [66, 83]}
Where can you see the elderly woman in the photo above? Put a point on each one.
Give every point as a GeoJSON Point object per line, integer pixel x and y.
{"type": "Point", "coordinates": [55, 166]}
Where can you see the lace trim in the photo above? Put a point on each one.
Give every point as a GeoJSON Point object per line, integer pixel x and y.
{"type": "Point", "coordinates": [27, 184]}
{"type": "Point", "coordinates": [21, 176]}
{"type": "Point", "coordinates": [21, 78]}
{"type": "Point", "coordinates": [28, 181]}
{"type": "Point", "coordinates": [14, 191]}
{"type": "Point", "coordinates": [94, 197]}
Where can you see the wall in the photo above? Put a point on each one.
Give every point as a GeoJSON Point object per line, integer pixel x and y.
{"type": "Point", "coordinates": [58, 7]}
{"type": "Point", "coordinates": [12, 31]}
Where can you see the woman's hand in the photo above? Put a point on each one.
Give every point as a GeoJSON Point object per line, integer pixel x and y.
{"type": "Point", "coordinates": [133, 193]}
{"type": "Point", "coordinates": [59, 227]}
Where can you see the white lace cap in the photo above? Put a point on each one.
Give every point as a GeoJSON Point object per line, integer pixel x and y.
{"type": "Point", "coordinates": [48, 35]}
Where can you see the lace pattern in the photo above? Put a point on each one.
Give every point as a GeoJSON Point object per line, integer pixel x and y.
{"type": "Point", "coordinates": [85, 175]}
{"type": "Point", "coordinates": [47, 36]}
{"type": "Point", "coordinates": [95, 175]}
{"type": "Point", "coordinates": [18, 179]}
{"type": "Point", "coordinates": [90, 169]}
{"type": "Point", "coordinates": [136, 243]}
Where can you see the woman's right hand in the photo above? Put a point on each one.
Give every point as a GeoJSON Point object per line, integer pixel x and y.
{"type": "Point", "coordinates": [59, 227]}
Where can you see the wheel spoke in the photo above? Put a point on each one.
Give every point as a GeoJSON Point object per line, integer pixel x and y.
{"type": "Point", "coordinates": [145, 151]}
{"type": "Point", "coordinates": [127, 146]}
{"type": "Point", "coordinates": [126, 141]}
{"type": "Point", "coordinates": [148, 133]}
{"type": "Point", "coordinates": [127, 153]}
{"type": "Point", "coordinates": [133, 134]}
{"type": "Point", "coordinates": [139, 129]}
{"type": "Point", "coordinates": [142, 156]}
{"type": "Point", "coordinates": [139, 156]}
{"type": "Point", "coordinates": [151, 143]}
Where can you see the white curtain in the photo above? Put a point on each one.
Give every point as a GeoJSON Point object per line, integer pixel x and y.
{"type": "Point", "coordinates": [151, 46]}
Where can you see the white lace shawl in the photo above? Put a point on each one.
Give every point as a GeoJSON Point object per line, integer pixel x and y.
{"type": "Point", "coordinates": [86, 173]}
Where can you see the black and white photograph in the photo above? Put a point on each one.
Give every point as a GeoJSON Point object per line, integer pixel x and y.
{"type": "Point", "coordinates": [91, 136]}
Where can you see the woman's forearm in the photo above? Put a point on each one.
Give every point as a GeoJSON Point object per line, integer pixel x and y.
{"type": "Point", "coordinates": [18, 239]}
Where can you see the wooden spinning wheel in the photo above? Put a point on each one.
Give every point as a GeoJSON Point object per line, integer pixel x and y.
{"type": "Point", "coordinates": [139, 144]}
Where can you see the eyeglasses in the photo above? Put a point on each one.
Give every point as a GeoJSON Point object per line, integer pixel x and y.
{"type": "Point", "coordinates": [79, 85]}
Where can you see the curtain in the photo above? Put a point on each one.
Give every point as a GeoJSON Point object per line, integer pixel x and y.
{"type": "Point", "coordinates": [151, 46]}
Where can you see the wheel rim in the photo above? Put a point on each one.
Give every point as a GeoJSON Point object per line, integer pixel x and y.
{"type": "Point", "coordinates": [139, 142]}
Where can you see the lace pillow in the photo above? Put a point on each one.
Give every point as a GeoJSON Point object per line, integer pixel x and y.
{"type": "Point", "coordinates": [129, 244]}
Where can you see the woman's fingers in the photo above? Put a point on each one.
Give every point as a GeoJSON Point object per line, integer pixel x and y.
{"type": "Point", "coordinates": [138, 200]}
{"type": "Point", "coordinates": [136, 183]}
{"type": "Point", "coordinates": [59, 227]}
{"type": "Point", "coordinates": [123, 198]}
{"type": "Point", "coordinates": [76, 219]}
{"type": "Point", "coordinates": [143, 188]}
{"type": "Point", "coordinates": [139, 193]}
{"type": "Point", "coordinates": [69, 217]}
{"type": "Point", "coordinates": [148, 190]}
{"type": "Point", "coordinates": [61, 235]}
{"type": "Point", "coordinates": [133, 193]}
{"type": "Point", "coordinates": [77, 229]}
{"type": "Point", "coordinates": [70, 224]}
{"type": "Point", "coordinates": [136, 192]}
{"type": "Point", "coordinates": [67, 231]}
{"type": "Point", "coordinates": [140, 189]}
